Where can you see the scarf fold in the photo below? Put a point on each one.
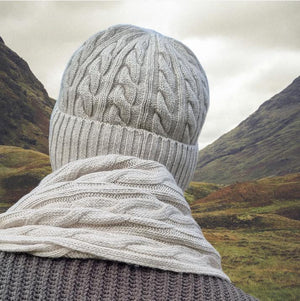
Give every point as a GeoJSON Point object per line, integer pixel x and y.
{"type": "Point", "coordinates": [111, 207]}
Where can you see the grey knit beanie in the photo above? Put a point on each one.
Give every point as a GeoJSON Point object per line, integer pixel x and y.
{"type": "Point", "coordinates": [133, 91]}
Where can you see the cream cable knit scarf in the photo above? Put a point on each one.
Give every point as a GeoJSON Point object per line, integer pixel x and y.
{"type": "Point", "coordinates": [112, 207]}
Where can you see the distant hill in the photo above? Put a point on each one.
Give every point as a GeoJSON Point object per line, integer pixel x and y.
{"type": "Point", "coordinates": [237, 205]}
{"type": "Point", "coordinates": [255, 226]}
{"type": "Point", "coordinates": [21, 170]}
{"type": "Point", "coordinates": [267, 143]}
{"type": "Point", "coordinates": [199, 190]}
{"type": "Point", "coordinates": [25, 106]}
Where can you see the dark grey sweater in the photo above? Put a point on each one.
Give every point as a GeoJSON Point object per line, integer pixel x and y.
{"type": "Point", "coordinates": [27, 277]}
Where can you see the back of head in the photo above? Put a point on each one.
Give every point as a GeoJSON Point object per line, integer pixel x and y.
{"type": "Point", "coordinates": [132, 91]}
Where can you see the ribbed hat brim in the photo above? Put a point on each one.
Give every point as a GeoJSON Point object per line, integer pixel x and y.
{"type": "Point", "coordinates": [72, 138]}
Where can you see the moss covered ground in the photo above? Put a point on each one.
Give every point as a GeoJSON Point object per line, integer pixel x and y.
{"type": "Point", "coordinates": [20, 171]}
{"type": "Point", "coordinates": [255, 226]}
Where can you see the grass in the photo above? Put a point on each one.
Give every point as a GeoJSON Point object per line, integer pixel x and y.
{"type": "Point", "coordinates": [20, 171]}
{"type": "Point", "coordinates": [262, 263]}
{"type": "Point", "coordinates": [198, 190]}
{"type": "Point", "coordinates": [255, 227]}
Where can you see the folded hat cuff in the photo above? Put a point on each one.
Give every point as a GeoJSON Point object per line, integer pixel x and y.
{"type": "Point", "coordinates": [72, 138]}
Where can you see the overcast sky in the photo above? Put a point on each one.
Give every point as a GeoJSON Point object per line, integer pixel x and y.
{"type": "Point", "coordinates": [249, 50]}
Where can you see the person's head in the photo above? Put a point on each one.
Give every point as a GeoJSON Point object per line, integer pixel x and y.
{"type": "Point", "coordinates": [132, 91]}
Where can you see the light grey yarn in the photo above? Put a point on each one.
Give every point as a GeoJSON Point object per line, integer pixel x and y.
{"type": "Point", "coordinates": [112, 207]}
{"type": "Point", "coordinates": [132, 91]}
{"type": "Point", "coordinates": [123, 146]}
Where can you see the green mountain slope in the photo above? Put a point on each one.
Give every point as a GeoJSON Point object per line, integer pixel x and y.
{"type": "Point", "coordinates": [25, 106]}
{"type": "Point", "coordinates": [267, 143]}
{"type": "Point", "coordinates": [20, 171]}
{"type": "Point", "coordinates": [255, 226]}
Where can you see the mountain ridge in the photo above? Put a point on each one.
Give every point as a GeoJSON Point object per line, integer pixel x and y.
{"type": "Point", "coordinates": [25, 106]}
{"type": "Point", "coordinates": [236, 154]}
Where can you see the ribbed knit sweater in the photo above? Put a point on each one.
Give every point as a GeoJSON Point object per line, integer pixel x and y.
{"type": "Point", "coordinates": [31, 278]}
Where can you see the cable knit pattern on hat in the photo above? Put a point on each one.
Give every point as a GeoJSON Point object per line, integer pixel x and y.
{"type": "Point", "coordinates": [132, 91]}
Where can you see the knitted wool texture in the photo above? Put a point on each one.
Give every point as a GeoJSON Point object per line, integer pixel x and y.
{"type": "Point", "coordinates": [113, 207]}
{"type": "Point", "coordinates": [27, 277]}
{"type": "Point", "coordinates": [123, 147]}
{"type": "Point", "coordinates": [133, 91]}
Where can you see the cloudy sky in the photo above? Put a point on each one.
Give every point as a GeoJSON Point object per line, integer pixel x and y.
{"type": "Point", "coordinates": [249, 50]}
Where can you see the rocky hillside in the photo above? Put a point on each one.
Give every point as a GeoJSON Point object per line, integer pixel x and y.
{"type": "Point", "coordinates": [25, 106]}
{"type": "Point", "coordinates": [267, 143]}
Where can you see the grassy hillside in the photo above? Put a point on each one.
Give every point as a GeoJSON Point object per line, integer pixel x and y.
{"type": "Point", "coordinates": [199, 190]}
{"type": "Point", "coordinates": [20, 171]}
{"type": "Point", "coordinates": [267, 143]}
{"type": "Point", "coordinates": [25, 106]}
{"type": "Point", "coordinates": [255, 226]}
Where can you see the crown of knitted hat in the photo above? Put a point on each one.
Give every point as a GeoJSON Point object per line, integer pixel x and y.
{"type": "Point", "coordinates": [133, 91]}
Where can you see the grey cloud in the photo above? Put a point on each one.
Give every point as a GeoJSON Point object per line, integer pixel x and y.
{"type": "Point", "coordinates": [249, 50]}
{"type": "Point", "coordinates": [282, 69]}
{"type": "Point", "coordinates": [253, 24]}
